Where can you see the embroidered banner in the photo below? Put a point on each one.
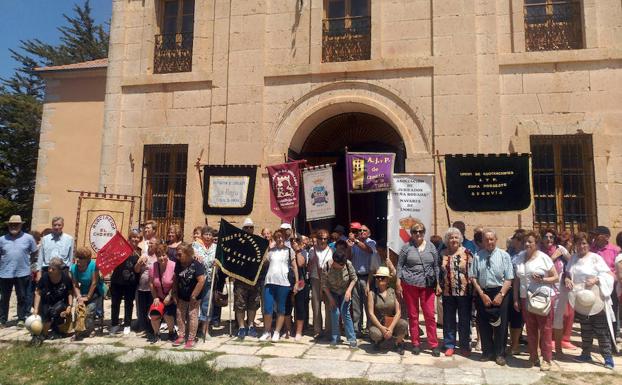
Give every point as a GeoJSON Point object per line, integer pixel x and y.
{"type": "Point", "coordinates": [285, 190]}
{"type": "Point", "coordinates": [113, 253]}
{"type": "Point", "coordinates": [228, 190]}
{"type": "Point", "coordinates": [411, 198]}
{"type": "Point", "coordinates": [369, 172]}
{"type": "Point", "coordinates": [240, 254]}
{"type": "Point", "coordinates": [488, 182]}
{"type": "Point", "coordinates": [319, 192]}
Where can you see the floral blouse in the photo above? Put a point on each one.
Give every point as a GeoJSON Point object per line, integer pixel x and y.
{"type": "Point", "coordinates": [454, 272]}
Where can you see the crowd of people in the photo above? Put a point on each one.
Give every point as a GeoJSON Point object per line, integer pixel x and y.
{"type": "Point", "coordinates": [485, 293]}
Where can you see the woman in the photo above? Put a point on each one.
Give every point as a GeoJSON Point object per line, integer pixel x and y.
{"type": "Point", "coordinates": [174, 237]}
{"type": "Point", "coordinates": [87, 287]}
{"type": "Point", "coordinates": [205, 252]}
{"type": "Point", "coordinates": [535, 274]}
{"type": "Point", "coordinates": [301, 298]}
{"type": "Point", "coordinates": [337, 284]}
{"type": "Point", "coordinates": [417, 272]}
{"type": "Point", "coordinates": [385, 312]}
{"type": "Point", "coordinates": [143, 294]}
{"type": "Point", "coordinates": [196, 233]}
{"type": "Point", "coordinates": [563, 316]}
{"type": "Point", "coordinates": [123, 284]}
{"type": "Point", "coordinates": [515, 318]}
{"type": "Point", "coordinates": [188, 293]}
{"type": "Point", "coordinates": [161, 279]}
{"type": "Point", "coordinates": [584, 271]}
{"type": "Point", "coordinates": [277, 288]}
{"type": "Point", "coordinates": [455, 287]}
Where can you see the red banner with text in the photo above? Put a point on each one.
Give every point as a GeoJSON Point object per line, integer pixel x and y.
{"type": "Point", "coordinates": [285, 190]}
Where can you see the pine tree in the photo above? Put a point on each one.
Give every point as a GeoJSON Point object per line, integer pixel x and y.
{"type": "Point", "coordinates": [21, 98]}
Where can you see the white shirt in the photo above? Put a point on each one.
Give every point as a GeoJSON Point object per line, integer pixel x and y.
{"type": "Point", "coordinates": [590, 266]}
{"type": "Point", "coordinates": [540, 264]}
{"type": "Point", "coordinates": [319, 258]}
{"type": "Point", "coordinates": [279, 266]}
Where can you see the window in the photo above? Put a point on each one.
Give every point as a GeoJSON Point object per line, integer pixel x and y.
{"type": "Point", "coordinates": [553, 25]}
{"type": "Point", "coordinates": [173, 46]}
{"type": "Point", "coordinates": [164, 184]}
{"type": "Point", "coordinates": [563, 182]}
{"type": "Point", "coordinates": [346, 30]}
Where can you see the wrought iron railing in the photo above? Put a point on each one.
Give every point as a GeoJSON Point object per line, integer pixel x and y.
{"type": "Point", "coordinates": [346, 39]}
{"type": "Point", "coordinates": [173, 53]}
{"type": "Point", "coordinates": [553, 26]}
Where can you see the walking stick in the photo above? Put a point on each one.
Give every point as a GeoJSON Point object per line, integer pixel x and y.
{"type": "Point", "coordinates": [209, 305]}
{"type": "Point", "coordinates": [230, 311]}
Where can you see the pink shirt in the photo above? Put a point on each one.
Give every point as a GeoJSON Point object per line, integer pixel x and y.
{"type": "Point", "coordinates": [167, 278]}
{"type": "Point", "coordinates": [609, 254]}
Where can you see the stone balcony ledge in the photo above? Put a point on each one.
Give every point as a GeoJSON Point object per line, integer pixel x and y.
{"type": "Point", "coordinates": [562, 56]}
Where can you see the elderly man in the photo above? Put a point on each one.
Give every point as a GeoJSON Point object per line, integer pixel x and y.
{"type": "Point", "coordinates": [491, 274]}
{"type": "Point", "coordinates": [246, 298]}
{"type": "Point", "coordinates": [55, 244]}
{"type": "Point", "coordinates": [16, 248]}
{"type": "Point", "coordinates": [360, 250]}
{"type": "Point", "coordinates": [320, 258]}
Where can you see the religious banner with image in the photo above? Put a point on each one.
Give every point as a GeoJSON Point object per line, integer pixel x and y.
{"type": "Point", "coordinates": [369, 172]}
{"type": "Point", "coordinates": [411, 197]}
{"type": "Point", "coordinates": [319, 192]}
{"type": "Point", "coordinates": [285, 190]}
{"type": "Point", "coordinates": [239, 253]}
{"type": "Point", "coordinates": [228, 190]}
{"type": "Point", "coordinates": [488, 182]}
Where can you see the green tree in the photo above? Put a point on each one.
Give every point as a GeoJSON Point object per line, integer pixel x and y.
{"type": "Point", "coordinates": [21, 100]}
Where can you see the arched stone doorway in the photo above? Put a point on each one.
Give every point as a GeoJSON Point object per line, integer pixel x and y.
{"type": "Point", "coordinates": [327, 142]}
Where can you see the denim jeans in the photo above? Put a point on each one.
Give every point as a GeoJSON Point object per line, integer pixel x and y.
{"type": "Point", "coordinates": [205, 303]}
{"type": "Point", "coordinates": [462, 305]}
{"type": "Point", "coordinates": [342, 308]}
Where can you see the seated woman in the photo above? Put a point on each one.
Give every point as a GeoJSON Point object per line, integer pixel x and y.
{"type": "Point", "coordinates": [161, 276]}
{"type": "Point", "coordinates": [337, 284]}
{"type": "Point", "coordinates": [53, 298]}
{"type": "Point", "coordinates": [385, 312]}
{"type": "Point", "coordinates": [87, 288]}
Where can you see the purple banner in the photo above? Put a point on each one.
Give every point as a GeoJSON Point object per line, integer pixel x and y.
{"type": "Point", "coordinates": [369, 172]}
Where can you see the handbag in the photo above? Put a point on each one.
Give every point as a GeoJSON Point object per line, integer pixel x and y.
{"type": "Point", "coordinates": [291, 277]}
{"type": "Point", "coordinates": [539, 302]}
{"type": "Point", "coordinates": [430, 280]}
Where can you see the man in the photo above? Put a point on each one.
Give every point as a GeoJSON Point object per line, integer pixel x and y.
{"type": "Point", "coordinates": [246, 298]}
{"type": "Point", "coordinates": [288, 233]}
{"type": "Point", "coordinates": [320, 257]}
{"type": "Point", "coordinates": [360, 250]}
{"type": "Point", "coordinates": [55, 244]}
{"type": "Point", "coordinates": [491, 274]}
{"type": "Point", "coordinates": [608, 252]}
{"type": "Point", "coordinates": [337, 235]}
{"type": "Point", "coordinates": [467, 243]}
{"type": "Point", "coordinates": [16, 247]}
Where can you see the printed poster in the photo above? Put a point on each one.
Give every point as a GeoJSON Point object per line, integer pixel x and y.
{"type": "Point", "coordinates": [319, 192]}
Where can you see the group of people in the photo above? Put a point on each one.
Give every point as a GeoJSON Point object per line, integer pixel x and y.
{"type": "Point", "coordinates": [542, 282]}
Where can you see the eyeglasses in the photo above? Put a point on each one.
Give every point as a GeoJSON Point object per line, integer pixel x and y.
{"type": "Point", "coordinates": [418, 232]}
{"type": "Point", "coordinates": [364, 231]}
{"type": "Point", "coordinates": [549, 236]}
{"type": "Point", "coordinates": [323, 239]}
{"type": "Point", "coordinates": [381, 278]}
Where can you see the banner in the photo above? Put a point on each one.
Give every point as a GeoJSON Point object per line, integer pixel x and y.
{"type": "Point", "coordinates": [412, 197]}
{"type": "Point", "coordinates": [319, 192]}
{"type": "Point", "coordinates": [285, 190]}
{"type": "Point", "coordinates": [369, 172]}
{"type": "Point", "coordinates": [240, 254]}
{"type": "Point", "coordinates": [491, 182]}
{"type": "Point", "coordinates": [100, 216]}
{"type": "Point", "coordinates": [113, 253]}
{"type": "Point", "coordinates": [228, 190]}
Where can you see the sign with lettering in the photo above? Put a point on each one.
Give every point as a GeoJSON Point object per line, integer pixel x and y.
{"type": "Point", "coordinates": [410, 199]}
{"type": "Point", "coordinates": [319, 192]}
{"type": "Point", "coordinates": [102, 229]}
{"type": "Point", "coordinates": [478, 183]}
{"type": "Point", "coordinates": [229, 190]}
{"type": "Point", "coordinates": [369, 172]}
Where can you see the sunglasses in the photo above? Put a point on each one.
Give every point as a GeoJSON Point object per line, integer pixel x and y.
{"type": "Point", "coordinates": [418, 232]}
{"type": "Point", "coordinates": [381, 278]}
{"type": "Point", "coordinates": [323, 239]}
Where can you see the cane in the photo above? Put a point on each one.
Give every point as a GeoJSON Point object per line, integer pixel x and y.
{"type": "Point", "coordinates": [209, 305]}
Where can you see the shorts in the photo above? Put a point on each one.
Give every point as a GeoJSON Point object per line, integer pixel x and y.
{"type": "Point", "coordinates": [245, 297]}
{"type": "Point", "coordinates": [275, 294]}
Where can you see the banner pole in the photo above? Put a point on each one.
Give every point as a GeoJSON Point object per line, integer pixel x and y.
{"type": "Point", "coordinates": [230, 308]}
{"type": "Point", "coordinates": [440, 171]}
{"type": "Point", "coordinates": [348, 191]}
{"type": "Point", "coordinates": [209, 304]}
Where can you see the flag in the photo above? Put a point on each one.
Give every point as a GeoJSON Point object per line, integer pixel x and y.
{"type": "Point", "coordinates": [113, 254]}
{"type": "Point", "coordinates": [239, 253]}
{"type": "Point", "coordinates": [284, 190]}
{"type": "Point", "coordinates": [369, 171]}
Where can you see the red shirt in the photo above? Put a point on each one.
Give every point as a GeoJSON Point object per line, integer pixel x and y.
{"type": "Point", "coordinates": [609, 253]}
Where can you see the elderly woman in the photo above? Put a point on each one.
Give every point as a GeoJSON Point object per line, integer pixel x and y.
{"type": "Point", "coordinates": [205, 252]}
{"type": "Point", "coordinates": [88, 288]}
{"type": "Point", "coordinates": [143, 292]}
{"type": "Point", "coordinates": [161, 279]}
{"type": "Point", "coordinates": [281, 258]}
{"type": "Point", "coordinates": [174, 237]}
{"type": "Point", "coordinates": [337, 284]}
{"type": "Point", "coordinates": [535, 275]}
{"type": "Point", "coordinates": [417, 272]}
{"type": "Point", "coordinates": [123, 284]}
{"type": "Point", "coordinates": [587, 273]}
{"type": "Point", "coordinates": [53, 298]}
{"type": "Point", "coordinates": [455, 287]}
{"type": "Point", "coordinates": [385, 313]}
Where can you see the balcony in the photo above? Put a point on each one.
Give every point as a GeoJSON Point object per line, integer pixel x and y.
{"type": "Point", "coordinates": [551, 26]}
{"type": "Point", "coordinates": [346, 39]}
{"type": "Point", "coordinates": [173, 53]}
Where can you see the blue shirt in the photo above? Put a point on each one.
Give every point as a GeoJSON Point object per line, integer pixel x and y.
{"type": "Point", "coordinates": [53, 245]}
{"type": "Point", "coordinates": [470, 245]}
{"type": "Point", "coordinates": [362, 259]}
{"type": "Point", "coordinates": [84, 278]}
{"type": "Point", "coordinates": [491, 269]}
{"type": "Point", "coordinates": [15, 255]}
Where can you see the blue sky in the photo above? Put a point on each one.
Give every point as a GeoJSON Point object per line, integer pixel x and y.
{"type": "Point", "coordinates": [29, 19]}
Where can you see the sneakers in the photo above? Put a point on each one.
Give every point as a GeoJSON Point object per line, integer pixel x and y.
{"type": "Point", "coordinates": [189, 344]}
{"type": "Point", "coordinates": [153, 338]}
{"type": "Point", "coordinates": [276, 336]}
{"type": "Point", "coordinates": [252, 332]}
{"type": "Point", "coordinates": [400, 348]}
{"type": "Point", "coordinates": [352, 344]}
{"type": "Point", "coordinates": [172, 336]}
{"type": "Point", "coordinates": [20, 323]}
{"type": "Point", "coordinates": [436, 352]}
{"type": "Point", "coordinates": [568, 345]}
{"type": "Point", "coordinates": [500, 361]}
{"type": "Point", "coordinates": [609, 362]}
{"type": "Point", "coordinates": [114, 330]}
{"type": "Point", "coordinates": [126, 330]}
{"type": "Point", "coordinates": [179, 341]}
{"type": "Point", "coordinates": [241, 333]}
{"type": "Point", "coordinates": [449, 352]}
{"type": "Point", "coordinates": [265, 336]}
{"type": "Point", "coordinates": [545, 366]}
{"type": "Point", "coordinates": [298, 338]}
{"type": "Point", "coordinates": [465, 352]}
{"type": "Point", "coordinates": [416, 350]}
{"type": "Point", "coordinates": [584, 357]}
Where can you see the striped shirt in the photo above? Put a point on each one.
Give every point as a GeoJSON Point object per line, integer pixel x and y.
{"type": "Point", "coordinates": [491, 269]}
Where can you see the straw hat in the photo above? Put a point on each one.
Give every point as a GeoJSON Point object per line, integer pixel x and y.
{"type": "Point", "coordinates": [586, 301]}
{"type": "Point", "coordinates": [15, 219]}
{"type": "Point", "coordinates": [382, 271]}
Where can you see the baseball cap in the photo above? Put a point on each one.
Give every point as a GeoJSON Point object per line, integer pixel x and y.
{"type": "Point", "coordinates": [355, 226]}
{"type": "Point", "coordinates": [248, 223]}
{"type": "Point", "coordinates": [286, 226]}
{"type": "Point", "coordinates": [602, 230]}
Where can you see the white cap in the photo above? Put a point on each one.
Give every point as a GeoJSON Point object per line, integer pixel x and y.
{"type": "Point", "coordinates": [248, 223]}
{"type": "Point", "coordinates": [286, 226]}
